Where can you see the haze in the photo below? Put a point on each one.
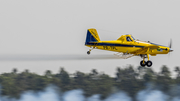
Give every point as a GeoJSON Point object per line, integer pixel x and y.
{"type": "Point", "coordinates": [58, 27]}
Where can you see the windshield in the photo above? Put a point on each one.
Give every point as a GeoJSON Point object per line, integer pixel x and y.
{"type": "Point", "coordinates": [132, 37]}
{"type": "Point", "coordinates": [128, 38]}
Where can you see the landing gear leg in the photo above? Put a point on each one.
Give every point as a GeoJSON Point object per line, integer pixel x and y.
{"type": "Point", "coordinates": [148, 63]}
{"type": "Point", "coordinates": [143, 62]}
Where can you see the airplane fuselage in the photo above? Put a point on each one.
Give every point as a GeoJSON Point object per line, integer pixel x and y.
{"type": "Point", "coordinates": [129, 47]}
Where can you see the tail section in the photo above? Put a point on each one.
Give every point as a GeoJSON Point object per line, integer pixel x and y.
{"type": "Point", "coordinates": [92, 36]}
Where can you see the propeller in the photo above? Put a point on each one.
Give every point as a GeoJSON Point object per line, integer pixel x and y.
{"type": "Point", "coordinates": [170, 44]}
{"type": "Point", "coordinates": [170, 47]}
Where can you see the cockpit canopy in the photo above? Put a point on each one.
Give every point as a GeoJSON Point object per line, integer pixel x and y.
{"type": "Point", "coordinates": [127, 38]}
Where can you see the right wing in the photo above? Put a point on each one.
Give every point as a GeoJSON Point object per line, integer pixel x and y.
{"type": "Point", "coordinates": [145, 49]}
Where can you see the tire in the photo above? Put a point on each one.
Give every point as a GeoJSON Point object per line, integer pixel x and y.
{"type": "Point", "coordinates": [149, 63]}
{"type": "Point", "coordinates": [88, 52]}
{"type": "Point", "coordinates": [143, 64]}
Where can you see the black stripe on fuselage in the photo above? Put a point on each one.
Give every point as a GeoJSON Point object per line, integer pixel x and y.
{"type": "Point", "coordinates": [111, 44]}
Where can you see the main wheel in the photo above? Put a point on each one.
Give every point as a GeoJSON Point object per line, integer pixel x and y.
{"type": "Point", "coordinates": [149, 63]}
{"type": "Point", "coordinates": [143, 64]}
{"type": "Point", "coordinates": [88, 52]}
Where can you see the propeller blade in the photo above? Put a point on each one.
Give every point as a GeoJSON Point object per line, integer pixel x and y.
{"type": "Point", "coordinates": [169, 55]}
{"type": "Point", "coordinates": [170, 44]}
{"type": "Point", "coordinates": [170, 48]}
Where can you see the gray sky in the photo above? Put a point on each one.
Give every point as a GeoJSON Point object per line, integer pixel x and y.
{"type": "Point", "coordinates": [55, 27]}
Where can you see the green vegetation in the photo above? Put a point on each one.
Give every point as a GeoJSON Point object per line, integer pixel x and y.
{"type": "Point", "coordinates": [128, 79]}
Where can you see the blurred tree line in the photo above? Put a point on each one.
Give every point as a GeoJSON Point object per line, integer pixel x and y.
{"type": "Point", "coordinates": [129, 79]}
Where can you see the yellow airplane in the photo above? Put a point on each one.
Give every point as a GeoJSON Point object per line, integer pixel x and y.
{"type": "Point", "coordinates": [126, 46]}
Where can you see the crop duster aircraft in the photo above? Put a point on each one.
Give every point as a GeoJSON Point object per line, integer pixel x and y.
{"type": "Point", "coordinates": [126, 46]}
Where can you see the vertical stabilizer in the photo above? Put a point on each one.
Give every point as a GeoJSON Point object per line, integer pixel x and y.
{"type": "Point", "coordinates": [92, 36]}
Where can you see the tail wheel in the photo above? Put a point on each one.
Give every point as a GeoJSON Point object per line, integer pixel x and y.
{"type": "Point", "coordinates": [88, 52]}
{"type": "Point", "coordinates": [149, 63]}
{"type": "Point", "coordinates": [143, 63]}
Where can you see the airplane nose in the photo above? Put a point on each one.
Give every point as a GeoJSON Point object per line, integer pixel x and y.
{"type": "Point", "coordinates": [170, 50]}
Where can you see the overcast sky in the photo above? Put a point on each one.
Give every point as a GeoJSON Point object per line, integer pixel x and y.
{"type": "Point", "coordinates": [55, 27]}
